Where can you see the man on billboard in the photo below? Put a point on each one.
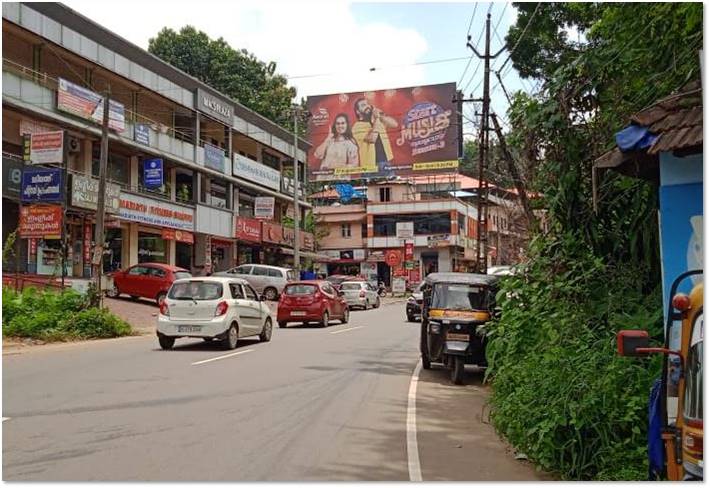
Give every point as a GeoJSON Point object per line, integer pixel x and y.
{"type": "Point", "coordinates": [339, 149]}
{"type": "Point", "coordinates": [370, 132]}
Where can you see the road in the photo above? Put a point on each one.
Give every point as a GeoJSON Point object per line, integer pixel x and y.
{"type": "Point", "coordinates": [313, 404]}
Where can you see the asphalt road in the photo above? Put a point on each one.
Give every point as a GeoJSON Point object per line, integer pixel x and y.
{"type": "Point", "coordinates": [313, 404]}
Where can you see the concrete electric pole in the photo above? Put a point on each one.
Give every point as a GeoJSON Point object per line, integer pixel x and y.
{"type": "Point", "coordinates": [97, 260]}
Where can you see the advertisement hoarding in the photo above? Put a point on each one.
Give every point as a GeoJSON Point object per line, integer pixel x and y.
{"type": "Point", "coordinates": [41, 185]}
{"type": "Point", "coordinates": [214, 157]}
{"type": "Point", "coordinates": [79, 101]}
{"type": "Point", "coordinates": [40, 221]}
{"type": "Point", "coordinates": [403, 131]}
{"type": "Point", "coordinates": [47, 147]}
{"type": "Point", "coordinates": [248, 229]}
{"type": "Point", "coordinates": [404, 230]}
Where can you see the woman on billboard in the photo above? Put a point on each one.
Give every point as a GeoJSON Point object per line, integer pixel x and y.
{"type": "Point", "coordinates": [339, 149]}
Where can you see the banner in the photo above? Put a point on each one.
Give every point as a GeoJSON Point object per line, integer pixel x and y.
{"type": "Point", "coordinates": [40, 221]}
{"type": "Point", "coordinates": [272, 232]}
{"type": "Point", "coordinates": [214, 157]}
{"type": "Point", "coordinates": [47, 147]}
{"type": "Point", "coordinates": [153, 173]}
{"type": "Point", "coordinates": [250, 170]}
{"type": "Point", "coordinates": [85, 194]}
{"type": "Point", "coordinates": [41, 185]}
{"type": "Point", "coordinates": [404, 131]}
{"type": "Point", "coordinates": [248, 229]}
{"type": "Point", "coordinates": [141, 134]}
{"type": "Point", "coordinates": [264, 207]}
{"type": "Point", "coordinates": [79, 101]}
{"type": "Point", "coordinates": [155, 212]}
{"type": "Point", "coordinates": [404, 230]}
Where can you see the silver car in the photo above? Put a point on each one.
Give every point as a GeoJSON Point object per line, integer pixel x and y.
{"type": "Point", "coordinates": [360, 294]}
{"type": "Point", "coordinates": [266, 280]}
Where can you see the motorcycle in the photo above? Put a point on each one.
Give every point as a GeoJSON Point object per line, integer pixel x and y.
{"type": "Point", "coordinates": [381, 290]}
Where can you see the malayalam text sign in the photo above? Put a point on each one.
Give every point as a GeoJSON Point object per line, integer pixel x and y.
{"type": "Point", "coordinates": [40, 221]}
{"type": "Point", "coordinates": [47, 147]}
{"type": "Point", "coordinates": [42, 185]}
{"type": "Point", "coordinates": [84, 103]}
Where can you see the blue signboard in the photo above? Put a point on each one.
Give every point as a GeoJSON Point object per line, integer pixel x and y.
{"type": "Point", "coordinates": [41, 185]}
{"type": "Point", "coordinates": [214, 157]}
{"type": "Point", "coordinates": [153, 173]}
{"type": "Point", "coordinates": [141, 134]}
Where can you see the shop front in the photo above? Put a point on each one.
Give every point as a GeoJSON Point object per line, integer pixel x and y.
{"type": "Point", "coordinates": [345, 261]}
{"type": "Point", "coordinates": [273, 237]}
{"type": "Point", "coordinates": [248, 234]}
{"type": "Point", "coordinates": [215, 245]}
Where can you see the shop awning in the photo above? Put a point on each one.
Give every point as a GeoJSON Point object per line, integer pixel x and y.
{"type": "Point", "coordinates": [306, 254]}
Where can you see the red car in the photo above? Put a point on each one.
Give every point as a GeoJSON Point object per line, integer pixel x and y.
{"type": "Point", "coordinates": [311, 301]}
{"type": "Point", "coordinates": [147, 280]}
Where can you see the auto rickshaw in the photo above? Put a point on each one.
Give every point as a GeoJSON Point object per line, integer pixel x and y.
{"type": "Point", "coordinates": [454, 308]}
{"type": "Point", "coordinates": [680, 443]}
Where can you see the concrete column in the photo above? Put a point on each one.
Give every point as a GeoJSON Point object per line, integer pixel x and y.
{"type": "Point", "coordinates": [134, 175]}
{"type": "Point", "coordinates": [133, 244]}
{"type": "Point", "coordinates": [126, 247]}
{"type": "Point", "coordinates": [229, 147]}
{"type": "Point", "coordinates": [86, 153]}
{"type": "Point", "coordinates": [454, 222]}
{"type": "Point", "coordinates": [230, 195]}
{"type": "Point", "coordinates": [173, 183]}
{"type": "Point", "coordinates": [197, 136]}
{"type": "Point", "coordinates": [171, 252]}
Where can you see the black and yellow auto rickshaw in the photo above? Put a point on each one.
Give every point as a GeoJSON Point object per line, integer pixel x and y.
{"type": "Point", "coordinates": [675, 440]}
{"type": "Point", "coordinates": [455, 307]}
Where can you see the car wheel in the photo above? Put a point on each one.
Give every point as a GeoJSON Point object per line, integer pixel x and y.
{"type": "Point", "coordinates": [231, 338]}
{"type": "Point", "coordinates": [377, 302]}
{"type": "Point", "coordinates": [325, 319]}
{"type": "Point", "coordinates": [265, 335]}
{"type": "Point", "coordinates": [457, 371]}
{"type": "Point", "coordinates": [113, 292]}
{"type": "Point", "coordinates": [271, 294]}
{"type": "Point", "coordinates": [346, 316]}
{"type": "Point", "coordinates": [161, 296]}
{"type": "Point", "coordinates": [283, 324]}
{"type": "Point", "coordinates": [166, 342]}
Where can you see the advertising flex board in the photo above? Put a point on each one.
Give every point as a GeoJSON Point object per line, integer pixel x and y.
{"type": "Point", "coordinates": [264, 207]}
{"type": "Point", "coordinates": [403, 131]}
{"type": "Point", "coordinates": [254, 171]}
{"type": "Point", "coordinates": [41, 185]}
{"type": "Point", "coordinates": [40, 221]}
{"type": "Point", "coordinates": [248, 229]}
{"type": "Point", "coordinates": [155, 212]}
{"type": "Point", "coordinates": [47, 147]}
{"type": "Point", "coordinates": [85, 193]}
{"type": "Point", "coordinates": [84, 103]}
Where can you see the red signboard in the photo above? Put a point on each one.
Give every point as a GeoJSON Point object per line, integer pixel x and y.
{"type": "Point", "coordinates": [272, 232]}
{"type": "Point", "coordinates": [393, 258]}
{"type": "Point", "coordinates": [307, 241]}
{"type": "Point", "coordinates": [404, 131]}
{"type": "Point", "coordinates": [87, 243]}
{"type": "Point", "coordinates": [248, 229]}
{"type": "Point", "coordinates": [33, 247]}
{"type": "Point", "coordinates": [178, 235]}
{"type": "Point", "coordinates": [415, 275]}
{"type": "Point", "coordinates": [409, 251]}
{"type": "Point", "coordinates": [41, 221]}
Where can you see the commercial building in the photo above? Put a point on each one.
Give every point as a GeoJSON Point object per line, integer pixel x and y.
{"type": "Point", "coordinates": [189, 168]}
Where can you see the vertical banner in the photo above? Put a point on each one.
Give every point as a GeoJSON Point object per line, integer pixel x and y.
{"type": "Point", "coordinates": [153, 173]}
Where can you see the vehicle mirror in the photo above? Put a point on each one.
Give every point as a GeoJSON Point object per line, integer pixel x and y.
{"type": "Point", "coordinates": [497, 312]}
{"type": "Point", "coordinates": [628, 341]}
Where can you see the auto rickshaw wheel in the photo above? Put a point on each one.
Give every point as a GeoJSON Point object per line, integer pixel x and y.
{"type": "Point", "coordinates": [457, 370]}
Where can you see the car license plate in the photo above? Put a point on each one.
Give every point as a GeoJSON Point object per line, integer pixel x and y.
{"type": "Point", "coordinates": [298, 314]}
{"type": "Point", "coordinates": [189, 328]}
{"type": "Point", "coordinates": [457, 337]}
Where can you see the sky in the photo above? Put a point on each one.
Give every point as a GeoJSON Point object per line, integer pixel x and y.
{"type": "Point", "coordinates": [328, 47]}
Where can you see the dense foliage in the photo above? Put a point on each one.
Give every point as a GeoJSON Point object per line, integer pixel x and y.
{"type": "Point", "coordinates": [51, 316]}
{"type": "Point", "coordinates": [236, 73]}
{"type": "Point", "coordinates": [560, 393]}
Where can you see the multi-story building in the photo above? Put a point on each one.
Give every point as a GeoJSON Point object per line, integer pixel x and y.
{"type": "Point", "coordinates": [359, 235]}
{"type": "Point", "coordinates": [217, 155]}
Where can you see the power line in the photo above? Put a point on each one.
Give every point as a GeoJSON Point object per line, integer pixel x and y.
{"type": "Point", "coordinates": [521, 35]}
{"type": "Point", "coordinates": [475, 7]}
{"type": "Point", "coordinates": [374, 68]}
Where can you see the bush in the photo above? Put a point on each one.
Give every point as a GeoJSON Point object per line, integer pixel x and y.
{"type": "Point", "coordinates": [51, 316]}
{"type": "Point", "coordinates": [561, 394]}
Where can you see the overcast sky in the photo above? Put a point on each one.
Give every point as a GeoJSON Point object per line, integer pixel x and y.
{"type": "Point", "coordinates": [330, 46]}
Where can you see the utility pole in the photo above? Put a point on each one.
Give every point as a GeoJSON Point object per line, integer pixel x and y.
{"type": "Point", "coordinates": [483, 153]}
{"type": "Point", "coordinates": [296, 211]}
{"type": "Point", "coordinates": [97, 259]}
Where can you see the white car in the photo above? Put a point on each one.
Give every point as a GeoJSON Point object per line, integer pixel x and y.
{"type": "Point", "coordinates": [269, 280]}
{"type": "Point", "coordinates": [210, 308]}
{"type": "Point", "coordinates": [360, 294]}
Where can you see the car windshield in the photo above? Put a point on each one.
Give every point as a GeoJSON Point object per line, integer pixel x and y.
{"type": "Point", "coordinates": [351, 286]}
{"type": "Point", "coordinates": [451, 296]}
{"type": "Point", "coordinates": [693, 404]}
{"type": "Point", "coordinates": [181, 275]}
{"type": "Point", "coordinates": [335, 279]}
{"type": "Point", "coordinates": [196, 290]}
{"type": "Point", "coordinates": [300, 290]}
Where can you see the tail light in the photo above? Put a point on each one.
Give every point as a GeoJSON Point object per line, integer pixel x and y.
{"type": "Point", "coordinates": [362, 293]}
{"type": "Point", "coordinates": [693, 442]}
{"type": "Point", "coordinates": [681, 302]}
{"type": "Point", "coordinates": [164, 310]}
{"type": "Point", "coordinates": [221, 309]}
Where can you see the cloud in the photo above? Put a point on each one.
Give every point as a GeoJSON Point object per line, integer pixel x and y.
{"type": "Point", "coordinates": [303, 38]}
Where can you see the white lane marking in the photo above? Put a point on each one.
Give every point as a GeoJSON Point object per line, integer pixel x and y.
{"type": "Point", "coordinates": [222, 357]}
{"type": "Point", "coordinates": [5, 418]}
{"type": "Point", "coordinates": [347, 330]}
{"type": "Point", "coordinates": [415, 470]}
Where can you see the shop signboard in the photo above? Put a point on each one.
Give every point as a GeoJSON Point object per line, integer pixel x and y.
{"type": "Point", "coordinates": [178, 235]}
{"type": "Point", "coordinates": [333, 255]}
{"type": "Point", "coordinates": [32, 127]}
{"type": "Point", "coordinates": [47, 147]}
{"type": "Point", "coordinates": [399, 284]}
{"type": "Point", "coordinates": [272, 232]}
{"type": "Point", "coordinates": [409, 265]}
{"type": "Point", "coordinates": [85, 194]}
{"type": "Point", "coordinates": [11, 177]}
{"type": "Point", "coordinates": [358, 254]}
{"type": "Point", "coordinates": [141, 134]}
{"type": "Point", "coordinates": [440, 240]}
{"type": "Point", "coordinates": [261, 174]}
{"type": "Point", "coordinates": [248, 229]}
{"type": "Point", "coordinates": [346, 255]}
{"type": "Point", "coordinates": [153, 173]}
{"type": "Point", "coordinates": [214, 157]}
{"type": "Point", "coordinates": [369, 271]}
{"type": "Point", "coordinates": [287, 185]}
{"type": "Point", "coordinates": [307, 241]}
{"type": "Point", "coordinates": [87, 243]}
{"type": "Point", "coordinates": [408, 251]}
{"type": "Point", "coordinates": [40, 221]}
{"type": "Point", "coordinates": [393, 258]}
{"type": "Point", "coordinates": [289, 236]}
{"type": "Point", "coordinates": [79, 101]}
{"type": "Point", "coordinates": [418, 130]}
{"type": "Point", "coordinates": [264, 207]}
{"type": "Point", "coordinates": [405, 230]}
{"type": "Point", "coordinates": [215, 107]}
{"type": "Point", "coordinates": [415, 275]}
{"type": "Point", "coordinates": [155, 212]}
{"type": "Point", "coordinates": [41, 185]}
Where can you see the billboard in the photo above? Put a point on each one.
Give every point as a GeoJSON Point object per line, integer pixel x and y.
{"type": "Point", "coordinates": [79, 101]}
{"type": "Point", "coordinates": [397, 132]}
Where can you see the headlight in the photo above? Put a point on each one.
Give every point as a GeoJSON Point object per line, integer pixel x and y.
{"type": "Point", "coordinates": [411, 300]}
{"type": "Point", "coordinates": [435, 328]}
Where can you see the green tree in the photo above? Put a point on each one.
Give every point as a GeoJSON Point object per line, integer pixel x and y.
{"type": "Point", "coordinates": [236, 73]}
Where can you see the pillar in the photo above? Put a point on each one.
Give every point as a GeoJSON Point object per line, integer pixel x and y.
{"type": "Point", "coordinates": [133, 244]}
{"type": "Point", "coordinates": [134, 176]}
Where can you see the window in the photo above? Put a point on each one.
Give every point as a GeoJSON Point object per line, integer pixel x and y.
{"type": "Point", "coordinates": [351, 286]}
{"type": "Point", "coordinates": [462, 223]}
{"type": "Point", "coordinates": [345, 230]}
{"type": "Point", "coordinates": [328, 289]}
{"type": "Point", "coordinates": [158, 273]}
{"type": "Point", "coordinates": [138, 271]}
{"type": "Point", "coordinates": [274, 273]}
{"type": "Point", "coordinates": [300, 290]}
{"type": "Point", "coordinates": [363, 230]}
{"type": "Point", "coordinates": [260, 271]}
{"type": "Point", "coordinates": [385, 194]}
{"type": "Point", "coordinates": [250, 293]}
{"type": "Point", "coordinates": [237, 291]}
{"type": "Point", "coordinates": [196, 290]}
{"type": "Point", "coordinates": [245, 270]}
{"type": "Point", "coordinates": [181, 275]}
{"type": "Point", "coordinates": [152, 248]}
{"type": "Point", "coordinates": [119, 167]}
{"type": "Point", "coordinates": [270, 160]}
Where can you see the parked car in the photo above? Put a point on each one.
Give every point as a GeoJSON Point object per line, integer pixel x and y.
{"type": "Point", "coordinates": [146, 280]}
{"type": "Point", "coordinates": [311, 301]}
{"type": "Point", "coordinates": [266, 280]}
{"type": "Point", "coordinates": [414, 303]}
{"type": "Point", "coordinates": [225, 309]}
{"type": "Point", "coordinates": [360, 294]}
{"type": "Point", "coordinates": [336, 280]}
